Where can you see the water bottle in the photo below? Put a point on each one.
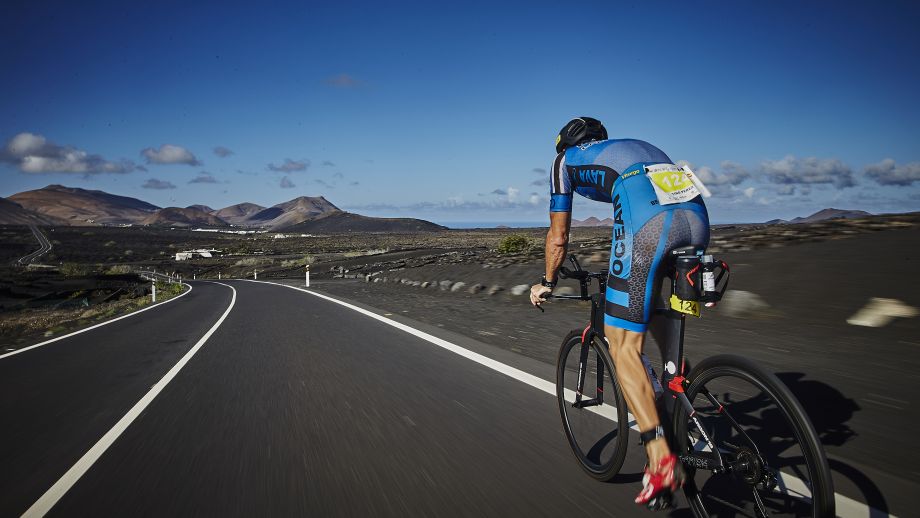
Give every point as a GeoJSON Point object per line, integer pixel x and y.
{"type": "Point", "coordinates": [709, 280]}
{"type": "Point", "coordinates": [686, 285]}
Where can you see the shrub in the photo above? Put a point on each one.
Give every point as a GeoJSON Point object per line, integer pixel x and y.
{"type": "Point", "coordinates": [118, 269]}
{"type": "Point", "coordinates": [254, 261]}
{"type": "Point", "coordinates": [514, 244]}
{"type": "Point", "coordinates": [294, 263]}
{"type": "Point", "coordinates": [74, 269]}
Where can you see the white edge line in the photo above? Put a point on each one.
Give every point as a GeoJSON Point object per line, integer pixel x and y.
{"type": "Point", "coordinates": [51, 497]}
{"type": "Point", "coordinates": [847, 506]}
{"type": "Point", "coordinates": [100, 324]}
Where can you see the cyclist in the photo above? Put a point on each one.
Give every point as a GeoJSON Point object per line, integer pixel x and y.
{"type": "Point", "coordinates": [656, 207]}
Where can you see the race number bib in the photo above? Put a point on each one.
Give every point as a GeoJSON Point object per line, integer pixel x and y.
{"type": "Point", "coordinates": [671, 183]}
{"type": "Point", "coordinates": [687, 307]}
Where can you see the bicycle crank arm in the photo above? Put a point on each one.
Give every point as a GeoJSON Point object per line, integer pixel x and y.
{"type": "Point", "coordinates": [588, 402]}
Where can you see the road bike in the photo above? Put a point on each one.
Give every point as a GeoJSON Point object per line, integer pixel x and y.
{"type": "Point", "coordinates": [745, 442]}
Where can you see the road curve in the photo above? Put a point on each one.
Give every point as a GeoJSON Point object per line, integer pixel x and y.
{"type": "Point", "coordinates": [59, 399]}
{"type": "Point", "coordinates": [44, 243]}
{"type": "Point", "coordinates": [295, 406]}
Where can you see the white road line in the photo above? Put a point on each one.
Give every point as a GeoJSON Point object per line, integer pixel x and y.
{"type": "Point", "coordinates": [846, 506]}
{"type": "Point", "coordinates": [90, 328]}
{"type": "Point", "coordinates": [51, 497]}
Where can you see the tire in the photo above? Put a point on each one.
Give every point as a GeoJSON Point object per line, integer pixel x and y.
{"type": "Point", "coordinates": [597, 438]}
{"type": "Point", "coordinates": [787, 450]}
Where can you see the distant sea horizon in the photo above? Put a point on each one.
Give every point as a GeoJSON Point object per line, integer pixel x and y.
{"type": "Point", "coordinates": [492, 224]}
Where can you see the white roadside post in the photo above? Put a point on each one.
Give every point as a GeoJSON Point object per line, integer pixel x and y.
{"type": "Point", "coordinates": [153, 290]}
{"type": "Point", "coordinates": [218, 275]}
{"type": "Point", "coordinates": [307, 281]}
{"type": "Point", "coordinates": [255, 274]}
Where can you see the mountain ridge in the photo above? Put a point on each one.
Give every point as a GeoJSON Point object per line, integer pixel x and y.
{"type": "Point", "coordinates": [78, 206]}
{"type": "Point", "coordinates": [60, 205]}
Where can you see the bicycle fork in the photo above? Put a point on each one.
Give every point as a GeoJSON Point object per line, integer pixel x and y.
{"type": "Point", "coordinates": [582, 375]}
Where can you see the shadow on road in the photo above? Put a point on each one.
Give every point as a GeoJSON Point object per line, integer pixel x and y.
{"type": "Point", "coordinates": [827, 408]}
{"type": "Point", "coordinates": [829, 412]}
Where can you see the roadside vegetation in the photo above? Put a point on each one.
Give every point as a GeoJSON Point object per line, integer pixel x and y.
{"type": "Point", "coordinates": [44, 317]}
{"type": "Point", "coordinates": [515, 244]}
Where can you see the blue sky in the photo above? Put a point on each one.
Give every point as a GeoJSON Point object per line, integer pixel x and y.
{"type": "Point", "coordinates": [449, 113]}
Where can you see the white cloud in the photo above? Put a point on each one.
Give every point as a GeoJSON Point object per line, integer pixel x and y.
{"type": "Point", "coordinates": [724, 184]}
{"type": "Point", "coordinates": [731, 173]}
{"type": "Point", "coordinates": [153, 183]}
{"type": "Point", "coordinates": [203, 177]}
{"type": "Point", "coordinates": [786, 190]}
{"type": "Point", "coordinates": [290, 166]}
{"type": "Point", "coordinates": [169, 154]}
{"type": "Point", "coordinates": [887, 172]}
{"type": "Point", "coordinates": [222, 152]}
{"type": "Point", "coordinates": [33, 153]}
{"type": "Point", "coordinates": [342, 81]}
{"type": "Point", "coordinates": [809, 170]}
{"type": "Point", "coordinates": [749, 192]}
{"type": "Point", "coordinates": [286, 183]}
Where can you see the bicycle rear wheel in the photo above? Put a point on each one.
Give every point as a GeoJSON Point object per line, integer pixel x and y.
{"type": "Point", "coordinates": [749, 448]}
{"type": "Point", "coordinates": [594, 415]}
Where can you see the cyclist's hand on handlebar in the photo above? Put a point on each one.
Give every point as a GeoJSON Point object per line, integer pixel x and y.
{"type": "Point", "coordinates": [538, 293]}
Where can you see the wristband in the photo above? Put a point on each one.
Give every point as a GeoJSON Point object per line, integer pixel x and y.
{"type": "Point", "coordinates": [548, 284]}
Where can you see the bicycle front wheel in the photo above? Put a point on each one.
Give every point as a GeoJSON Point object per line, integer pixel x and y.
{"type": "Point", "coordinates": [749, 448]}
{"type": "Point", "coordinates": [592, 406]}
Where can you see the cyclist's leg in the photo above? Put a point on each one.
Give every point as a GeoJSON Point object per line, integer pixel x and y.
{"type": "Point", "coordinates": [638, 238]}
{"type": "Point", "coordinates": [626, 320]}
{"type": "Point", "coordinates": [633, 280]}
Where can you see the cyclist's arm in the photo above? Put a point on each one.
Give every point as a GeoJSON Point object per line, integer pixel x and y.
{"type": "Point", "coordinates": [557, 242]}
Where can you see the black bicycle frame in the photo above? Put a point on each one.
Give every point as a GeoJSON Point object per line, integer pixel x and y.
{"type": "Point", "coordinates": [667, 328]}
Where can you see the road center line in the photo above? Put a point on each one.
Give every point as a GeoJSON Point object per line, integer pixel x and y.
{"type": "Point", "coordinates": [100, 324]}
{"type": "Point", "coordinates": [846, 506]}
{"type": "Point", "coordinates": [51, 497]}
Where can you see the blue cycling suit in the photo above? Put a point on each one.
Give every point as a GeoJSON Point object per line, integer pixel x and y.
{"type": "Point", "coordinates": [644, 231]}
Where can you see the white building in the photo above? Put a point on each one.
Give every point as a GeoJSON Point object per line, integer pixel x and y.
{"type": "Point", "coordinates": [201, 252]}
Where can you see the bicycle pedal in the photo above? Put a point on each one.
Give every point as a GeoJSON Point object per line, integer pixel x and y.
{"type": "Point", "coordinates": [660, 502]}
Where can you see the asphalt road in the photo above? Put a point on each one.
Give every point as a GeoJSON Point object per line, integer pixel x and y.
{"type": "Point", "coordinates": [45, 247]}
{"type": "Point", "coordinates": [293, 406]}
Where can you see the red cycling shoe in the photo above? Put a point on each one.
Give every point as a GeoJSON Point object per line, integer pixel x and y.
{"type": "Point", "coordinates": [658, 486]}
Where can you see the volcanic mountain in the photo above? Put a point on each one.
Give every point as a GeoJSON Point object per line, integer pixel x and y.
{"type": "Point", "coordinates": [11, 213]}
{"type": "Point", "coordinates": [823, 215]}
{"type": "Point", "coordinates": [238, 214]}
{"type": "Point", "coordinates": [292, 212]}
{"type": "Point", "coordinates": [826, 214]}
{"type": "Point", "coordinates": [593, 222]}
{"type": "Point", "coordinates": [179, 217]}
{"type": "Point", "coordinates": [73, 206]}
{"type": "Point", "coordinates": [83, 207]}
{"type": "Point", "coordinates": [340, 221]}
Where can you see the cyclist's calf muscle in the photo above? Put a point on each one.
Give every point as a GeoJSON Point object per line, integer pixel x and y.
{"type": "Point", "coordinates": [626, 350]}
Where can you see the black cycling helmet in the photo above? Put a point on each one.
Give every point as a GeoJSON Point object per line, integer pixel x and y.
{"type": "Point", "coordinates": [578, 130]}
